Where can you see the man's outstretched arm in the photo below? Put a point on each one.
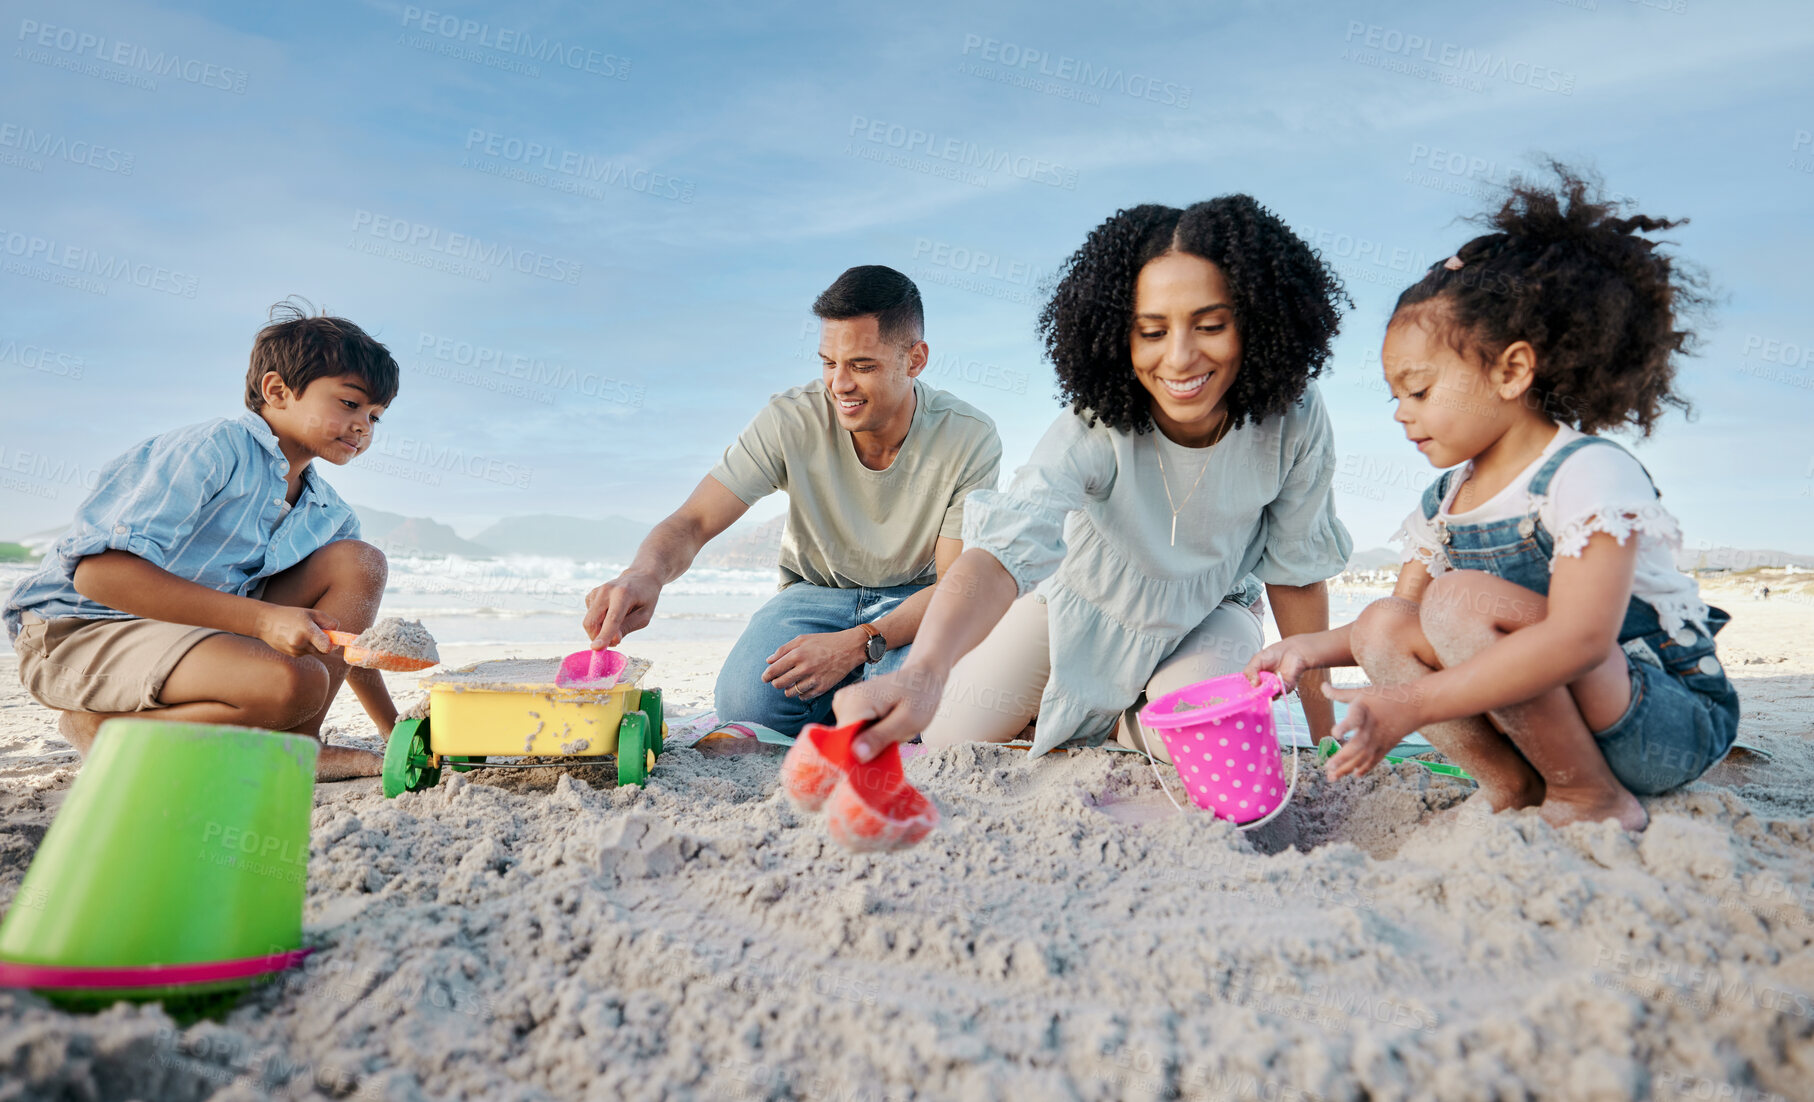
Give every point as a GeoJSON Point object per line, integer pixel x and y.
{"type": "Point", "coordinates": [627, 603]}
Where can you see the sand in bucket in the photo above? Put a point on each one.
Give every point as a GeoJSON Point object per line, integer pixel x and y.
{"type": "Point", "coordinates": [1223, 742]}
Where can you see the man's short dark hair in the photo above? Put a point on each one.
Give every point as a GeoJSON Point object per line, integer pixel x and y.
{"type": "Point", "coordinates": [879, 290]}
{"type": "Point", "coordinates": [301, 349]}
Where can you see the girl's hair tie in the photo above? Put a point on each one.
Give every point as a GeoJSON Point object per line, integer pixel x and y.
{"type": "Point", "coordinates": [1453, 263]}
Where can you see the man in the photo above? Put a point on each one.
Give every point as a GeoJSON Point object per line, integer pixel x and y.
{"type": "Point", "coordinates": [876, 465]}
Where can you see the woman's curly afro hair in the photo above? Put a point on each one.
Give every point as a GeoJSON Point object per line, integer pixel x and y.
{"type": "Point", "coordinates": [1564, 271]}
{"type": "Point", "coordinates": [1287, 308]}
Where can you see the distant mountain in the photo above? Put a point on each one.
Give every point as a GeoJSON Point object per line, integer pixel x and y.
{"type": "Point", "coordinates": [396, 534]}
{"type": "Point", "coordinates": [1377, 558]}
{"type": "Point", "coordinates": [611, 539]}
{"type": "Point", "coordinates": [755, 547]}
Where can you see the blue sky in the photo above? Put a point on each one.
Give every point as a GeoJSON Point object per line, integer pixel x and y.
{"type": "Point", "coordinates": [591, 233]}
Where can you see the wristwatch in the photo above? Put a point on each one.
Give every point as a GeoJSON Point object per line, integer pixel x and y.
{"type": "Point", "coordinates": [875, 646]}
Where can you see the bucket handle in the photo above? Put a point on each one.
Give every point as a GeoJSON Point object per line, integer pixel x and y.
{"type": "Point", "coordinates": [1290, 789]}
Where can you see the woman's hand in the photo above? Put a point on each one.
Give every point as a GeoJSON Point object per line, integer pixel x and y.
{"type": "Point", "coordinates": [1378, 718]}
{"type": "Point", "coordinates": [898, 705]}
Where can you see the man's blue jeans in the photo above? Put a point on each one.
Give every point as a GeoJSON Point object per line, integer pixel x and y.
{"type": "Point", "coordinates": [800, 609]}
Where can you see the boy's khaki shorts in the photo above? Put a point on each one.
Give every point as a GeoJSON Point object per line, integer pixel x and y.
{"type": "Point", "coordinates": [101, 665]}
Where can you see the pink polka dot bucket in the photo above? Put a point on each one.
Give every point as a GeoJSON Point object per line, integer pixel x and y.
{"type": "Point", "coordinates": [1224, 743]}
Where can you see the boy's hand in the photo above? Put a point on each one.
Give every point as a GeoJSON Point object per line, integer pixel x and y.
{"type": "Point", "coordinates": [900, 704]}
{"type": "Point", "coordinates": [296, 631]}
{"type": "Point", "coordinates": [1288, 658]}
{"type": "Point", "coordinates": [1379, 717]}
{"type": "Point", "coordinates": [619, 607]}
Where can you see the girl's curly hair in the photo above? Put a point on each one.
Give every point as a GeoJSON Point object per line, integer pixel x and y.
{"type": "Point", "coordinates": [1564, 271]}
{"type": "Point", "coordinates": [1287, 308]}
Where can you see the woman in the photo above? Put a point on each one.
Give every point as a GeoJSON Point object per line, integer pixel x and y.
{"type": "Point", "coordinates": [1126, 557]}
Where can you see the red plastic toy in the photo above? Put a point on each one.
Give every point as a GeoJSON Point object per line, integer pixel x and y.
{"type": "Point", "coordinates": [869, 806]}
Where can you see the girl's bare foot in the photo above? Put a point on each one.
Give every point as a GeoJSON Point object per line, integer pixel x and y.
{"type": "Point", "coordinates": [1562, 808]}
{"type": "Point", "coordinates": [338, 763]}
{"type": "Point", "coordinates": [1525, 791]}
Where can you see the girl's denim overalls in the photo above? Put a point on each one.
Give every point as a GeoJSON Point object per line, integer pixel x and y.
{"type": "Point", "coordinates": [1684, 712]}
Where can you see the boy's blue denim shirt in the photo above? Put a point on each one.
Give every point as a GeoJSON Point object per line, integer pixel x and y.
{"type": "Point", "coordinates": [205, 502]}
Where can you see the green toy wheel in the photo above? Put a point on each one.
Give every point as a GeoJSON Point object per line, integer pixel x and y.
{"type": "Point", "coordinates": [406, 762]}
{"type": "Point", "coordinates": [459, 764]}
{"type": "Point", "coordinates": [658, 728]}
{"type": "Point", "coordinates": [635, 754]}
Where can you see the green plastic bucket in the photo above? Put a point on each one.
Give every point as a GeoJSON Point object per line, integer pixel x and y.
{"type": "Point", "coordinates": [177, 865]}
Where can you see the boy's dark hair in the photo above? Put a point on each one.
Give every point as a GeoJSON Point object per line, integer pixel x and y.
{"type": "Point", "coordinates": [879, 290]}
{"type": "Point", "coordinates": [1287, 307]}
{"type": "Point", "coordinates": [301, 349]}
{"type": "Point", "coordinates": [1598, 303]}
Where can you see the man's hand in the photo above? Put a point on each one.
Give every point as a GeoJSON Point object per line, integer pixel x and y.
{"type": "Point", "coordinates": [619, 607]}
{"type": "Point", "coordinates": [1379, 717]}
{"type": "Point", "coordinates": [899, 704]}
{"type": "Point", "coordinates": [807, 666]}
{"type": "Point", "coordinates": [296, 631]}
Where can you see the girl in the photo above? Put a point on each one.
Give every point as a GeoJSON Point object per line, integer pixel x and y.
{"type": "Point", "coordinates": [1195, 464]}
{"type": "Point", "coordinates": [1540, 635]}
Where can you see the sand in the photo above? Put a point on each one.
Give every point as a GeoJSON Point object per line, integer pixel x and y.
{"type": "Point", "coordinates": [403, 638]}
{"type": "Point", "coordinates": [1063, 934]}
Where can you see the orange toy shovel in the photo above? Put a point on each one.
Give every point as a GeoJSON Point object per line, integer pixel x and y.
{"type": "Point", "coordinates": [374, 659]}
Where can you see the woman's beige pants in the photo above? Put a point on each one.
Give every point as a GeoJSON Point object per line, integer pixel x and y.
{"type": "Point", "coordinates": [994, 691]}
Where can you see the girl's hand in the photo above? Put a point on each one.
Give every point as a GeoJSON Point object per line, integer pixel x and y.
{"type": "Point", "coordinates": [899, 704]}
{"type": "Point", "coordinates": [1379, 717]}
{"type": "Point", "coordinates": [1288, 658]}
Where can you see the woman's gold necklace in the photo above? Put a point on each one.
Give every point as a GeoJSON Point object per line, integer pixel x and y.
{"type": "Point", "coordinates": [1178, 507]}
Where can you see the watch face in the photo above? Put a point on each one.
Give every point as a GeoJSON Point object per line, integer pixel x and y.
{"type": "Point", "coordinates": [875, 648]}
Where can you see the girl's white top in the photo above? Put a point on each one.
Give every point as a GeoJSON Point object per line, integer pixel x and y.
{"type": "Point", "coordinates": [1594, 490]}
{"type": "Point", "coordinates": [1087, 524]}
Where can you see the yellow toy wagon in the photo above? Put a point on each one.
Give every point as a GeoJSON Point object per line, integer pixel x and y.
{"type": "Point", "coordinates": [511, 708]}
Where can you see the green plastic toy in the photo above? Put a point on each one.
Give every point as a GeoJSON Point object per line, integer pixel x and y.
{"type": "Point", "coordinates": [176, 866]}
{"type": "Point", "coordinates": [1328, 748]}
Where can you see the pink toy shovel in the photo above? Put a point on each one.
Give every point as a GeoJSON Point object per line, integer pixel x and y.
{"type": "Point", "coordinates": [590, 669]}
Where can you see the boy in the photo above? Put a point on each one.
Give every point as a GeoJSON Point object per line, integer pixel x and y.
{"type": "Point", "coordinates": [199, 575]}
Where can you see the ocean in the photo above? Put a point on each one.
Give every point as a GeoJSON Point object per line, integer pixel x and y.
{"type": "Point", "coordinates": [527, 599]}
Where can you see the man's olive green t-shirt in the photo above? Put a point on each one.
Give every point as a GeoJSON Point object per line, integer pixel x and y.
{"type": "Point", "coordinates": [849, 527]}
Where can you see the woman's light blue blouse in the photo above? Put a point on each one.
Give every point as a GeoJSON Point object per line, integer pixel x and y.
{"type": "Point", "coordinates": [1086, 523]}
